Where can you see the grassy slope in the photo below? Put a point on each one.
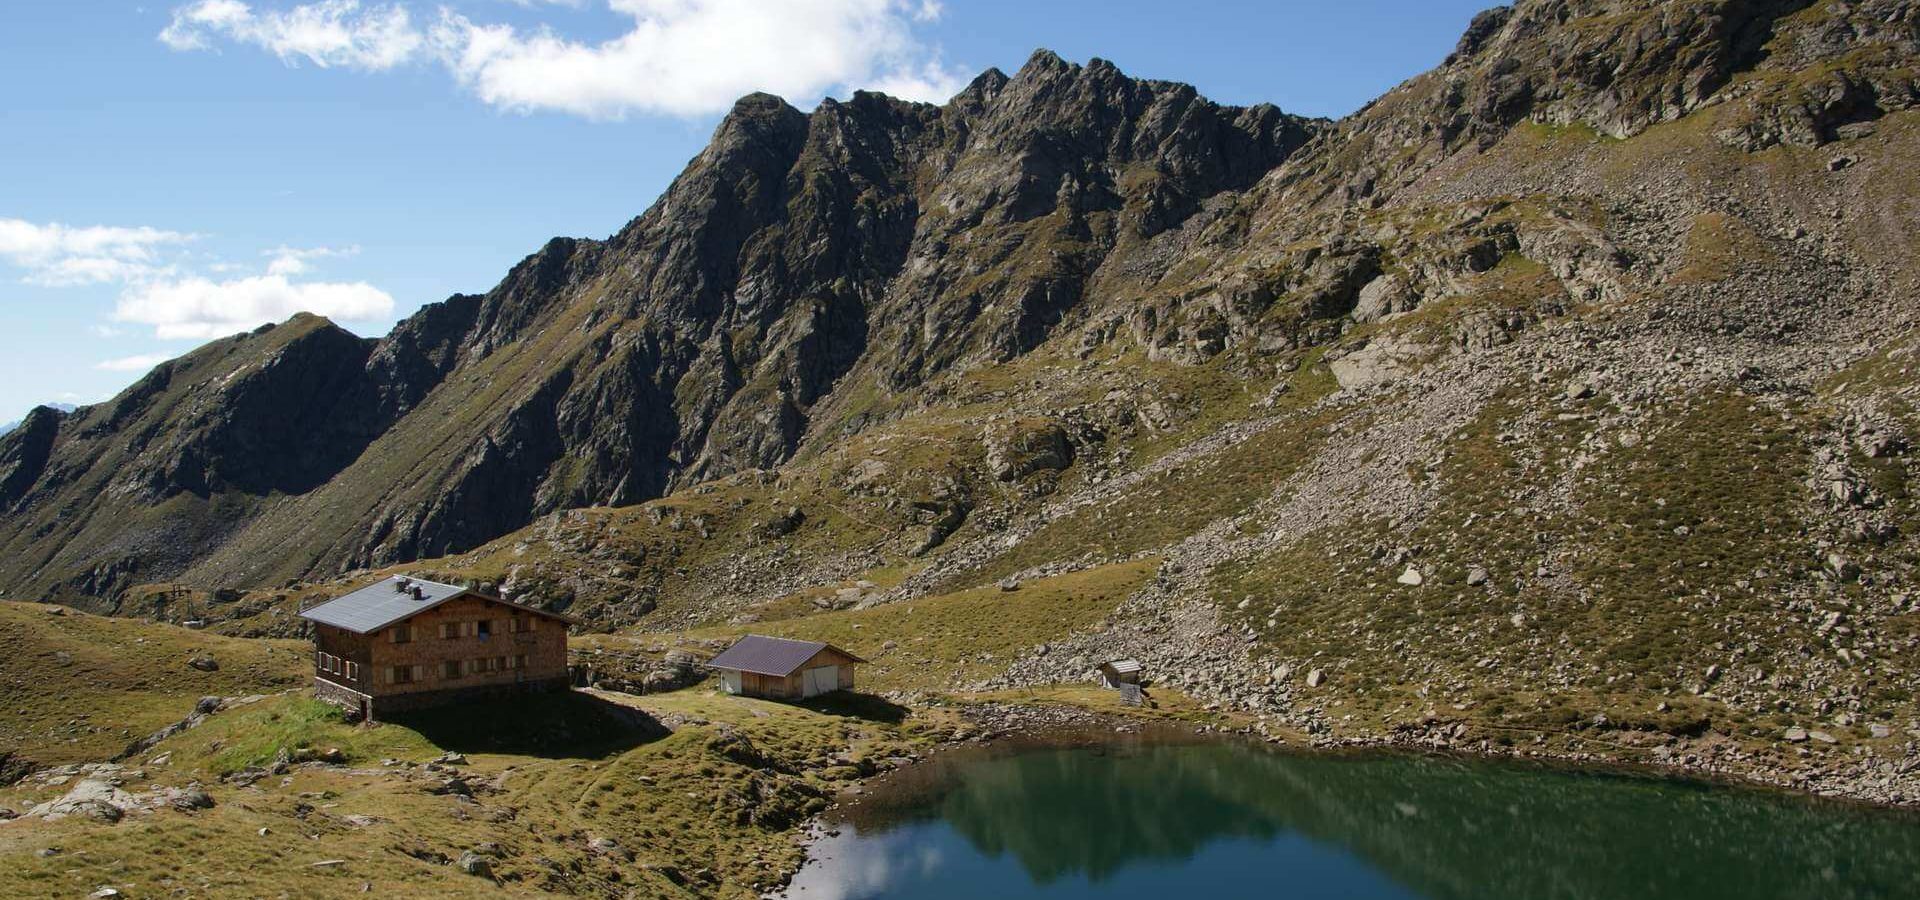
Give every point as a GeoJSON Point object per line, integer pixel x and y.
{"type": "Point", "coordinates": [709, 806]}
{"type": "Point", "coordinates": [949, 640]}
{"type": "Point", "coordinates": [79, 687]}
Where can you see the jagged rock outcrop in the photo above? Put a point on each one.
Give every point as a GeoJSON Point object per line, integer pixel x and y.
{"type": "Point", "coordinates": [709, 336]}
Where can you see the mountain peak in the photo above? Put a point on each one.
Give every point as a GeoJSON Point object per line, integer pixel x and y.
{"type": "Point", "coordinates": [1043, 59]}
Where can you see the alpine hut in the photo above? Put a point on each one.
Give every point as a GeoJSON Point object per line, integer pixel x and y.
{"type": "Point", "coordinates": [405, 643]}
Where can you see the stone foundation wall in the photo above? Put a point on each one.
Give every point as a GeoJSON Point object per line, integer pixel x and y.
{"type": "Point", "coordinates": [339, 695]}
{"type": "Point", "coordinates": [476, 694]}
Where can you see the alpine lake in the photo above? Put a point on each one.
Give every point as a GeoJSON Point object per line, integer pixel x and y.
{"type": "Point", "coordinates": [1139, 817]}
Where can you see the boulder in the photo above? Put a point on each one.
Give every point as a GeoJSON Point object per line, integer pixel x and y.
{"type": "Point", "coordinates": [204, 662]}
{"type": "Point", "coordinates": [1020, 448]}
{"type": "Point", "coordinates": [1384, 296]}
{"type": "Point", "coordinates": [474, 864]}
{"type": "Point", "coordinates": [190, 798]}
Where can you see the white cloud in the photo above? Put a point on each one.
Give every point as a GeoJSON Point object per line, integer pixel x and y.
{"type": "Point", "coordinates": [330, 33]}
{"type": "Point", "coordinates": [297, 261]}
{"type": "Point", "coordinates": [168, 294]}
{"type": "Point", "coordinates": [59, 255]}
{"type": "Point", "coordinates": [137, 363]}
{"type": "Point", "coordinates": [678, 57]}
{"type": "Point", "coordinates": [197, 307]}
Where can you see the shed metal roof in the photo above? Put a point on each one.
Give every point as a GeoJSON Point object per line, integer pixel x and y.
{"type": "Point", "coordinates": [1123, 666]}
{"type": "Point", "coordinates": [385, 602]}
{"type": "Point", "coordinates": [774, 656]}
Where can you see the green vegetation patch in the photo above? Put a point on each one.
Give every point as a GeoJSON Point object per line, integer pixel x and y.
{"type": "Point", "coordinates": [946, 640]}
{"type": "Point", "coordinates": [79, 688]}
{"type": "Point", "coordinates": [1168, 505]}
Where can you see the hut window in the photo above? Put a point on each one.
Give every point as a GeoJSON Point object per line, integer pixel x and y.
{"type": "Point", "coordinates": [450, 669]}
{"type": "Point", "coordinates": [485, 628]}
{"type": "Point", "coordinates": [449, 630]}
{"type": "Point", "coordinates": [402, 674]}
{"type": "Point", "coordinates": [353, 671]}
{"type": "Point", "coordinates": [403, 634]}
{"type": "Point", "coordinates": [520, 661]}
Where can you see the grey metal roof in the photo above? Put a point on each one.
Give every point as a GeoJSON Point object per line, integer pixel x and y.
{"type": "Point", "coordinates": [774, 656]}
{"type": "Point", "coordinates": [1124, 666]}
{"type": "Point", "coordinates": [381, 603]}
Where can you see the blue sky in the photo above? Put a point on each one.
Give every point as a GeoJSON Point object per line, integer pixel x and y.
{"type": "Point", "coordinates": [176, 171]}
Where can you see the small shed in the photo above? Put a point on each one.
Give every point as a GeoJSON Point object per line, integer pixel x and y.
{"type": "Point", "coordinates": [783, 669]}
{"type": "Point", "coordinates": [1120, 671]}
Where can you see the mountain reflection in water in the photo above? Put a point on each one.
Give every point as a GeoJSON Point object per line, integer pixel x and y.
{"type": "Point", "coordinates": [1244, 821]}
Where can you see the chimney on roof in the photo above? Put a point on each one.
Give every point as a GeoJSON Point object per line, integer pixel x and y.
{"type": "Point", "coordinates": [419, 593]}
{"type": "Point", "coordinates": [400, 584]}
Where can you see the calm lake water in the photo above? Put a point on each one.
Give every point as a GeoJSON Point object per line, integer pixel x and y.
{"type": "Point", "coordinates": [1220, 820]}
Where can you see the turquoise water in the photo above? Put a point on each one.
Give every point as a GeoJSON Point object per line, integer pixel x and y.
{"type": "Point", "coordinates": [1235, 820]}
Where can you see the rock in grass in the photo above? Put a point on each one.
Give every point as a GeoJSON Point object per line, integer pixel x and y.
{"type": "Point", "coordinates": [1412, 577]}
{"type": "Point", "coordinates": [204, 662]}
{"type": "Point", "coordinates": [474, 864]}
{"type": "Point", "coordinates": [1476, 576]}
{"type": "Point", "coordinates": [1823, 737]}
{"type": "Point", "coordinates": [191, 798]}
{"type": "Point", "coordinates": [1796, 735]}
{"type": "Point", "coordinates": [1316, 677]}
{"type": "Point", "coordinates": [1842, 567]}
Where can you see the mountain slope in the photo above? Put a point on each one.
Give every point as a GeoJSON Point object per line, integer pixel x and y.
{"type": "Point", "coordinates": [696, 342]}
{"type": "Point", "coordinates": [1566, 383]}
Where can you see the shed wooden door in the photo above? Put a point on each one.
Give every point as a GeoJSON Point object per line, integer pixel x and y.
{"type": "Point", "coordinates": [820, 680]}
